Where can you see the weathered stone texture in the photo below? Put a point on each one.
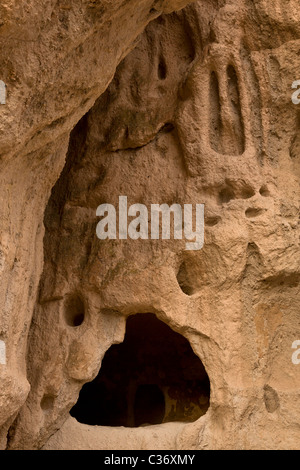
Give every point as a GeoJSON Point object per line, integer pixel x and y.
{"type": "Point", "coordinates": [199, 111]}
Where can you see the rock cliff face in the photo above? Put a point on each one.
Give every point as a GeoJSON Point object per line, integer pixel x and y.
{"type": "Point", "coordinates": [57, 57]}
{"type": "Point", "coordinates": [199, 112]}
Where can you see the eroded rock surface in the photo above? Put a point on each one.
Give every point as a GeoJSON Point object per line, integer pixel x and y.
{"type": "Point", "coordinates": [199, 112]}
{"type": "Point", "coordinates": [57, 58]}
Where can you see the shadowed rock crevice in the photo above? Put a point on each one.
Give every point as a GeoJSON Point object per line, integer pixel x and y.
{"type": "Point", "coordinates": [238, 134]}
{"type": "Point", "coordinates": [227, 135]}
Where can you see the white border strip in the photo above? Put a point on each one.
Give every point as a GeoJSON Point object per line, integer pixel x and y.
{"type": "Point", "coordinates": [2, 92]}
{"type": "Point", "coordinates": [2, 353]}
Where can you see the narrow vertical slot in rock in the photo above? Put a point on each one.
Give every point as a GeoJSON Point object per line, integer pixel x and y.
{"type": "Point", "coordinates": [215, 114]}
{"type": "Point", "coordinates": [238, 134]}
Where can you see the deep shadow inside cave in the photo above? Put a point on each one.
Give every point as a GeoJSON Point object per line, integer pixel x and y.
{"type": "Point", "coordinates": [152, 377]}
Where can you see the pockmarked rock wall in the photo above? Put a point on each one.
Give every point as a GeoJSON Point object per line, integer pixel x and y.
{"type": "Point", "coordinates": [199, 112]}
{"type": "Point", "coordinates": [57, 58]}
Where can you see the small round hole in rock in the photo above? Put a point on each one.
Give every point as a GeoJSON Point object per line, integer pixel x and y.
{"type": "Point", "coordinates": [271, 399]}
{"type": "Point", "coordinates": [253, 212]}
{"type": "Point", "coordinates": [184, 280]}
{"type": "Point", "coordinates": [264, 191]}
{"type": "Point", "coordinates": [47, 402]}
{"type": "Point", "coordinates": [212, 221]}
{"type": "Point", "coordinates": [74, 310]}
{"type": "Point", "coordinates": [247, 193]}
{"type": "Point", "coordinates": [226, 195]}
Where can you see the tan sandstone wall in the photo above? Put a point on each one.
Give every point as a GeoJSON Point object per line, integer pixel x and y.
{"type": "Point", "coordinates": [57, 57]}
{"type": "Point", "coordinates": [199, 111]}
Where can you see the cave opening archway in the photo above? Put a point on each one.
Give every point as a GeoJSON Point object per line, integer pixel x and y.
{"type": "Point", "coordinates": [153, 377]}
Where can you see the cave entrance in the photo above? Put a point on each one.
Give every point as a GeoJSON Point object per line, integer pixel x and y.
{"type": "Point", "coordinates": [153, 377]}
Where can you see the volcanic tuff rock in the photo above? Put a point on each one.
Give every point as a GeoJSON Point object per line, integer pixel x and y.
{"type": "Point", "coordinates": [57, 58]}
{"type": "Point", "coordinates": [199, 111]}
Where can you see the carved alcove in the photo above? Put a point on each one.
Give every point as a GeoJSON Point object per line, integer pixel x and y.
{"type": "Point", "coordinates": [152, 377]}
